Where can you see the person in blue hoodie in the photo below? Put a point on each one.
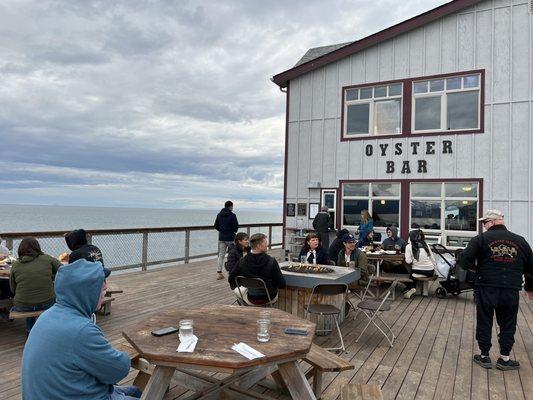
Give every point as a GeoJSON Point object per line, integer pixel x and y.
{"type": "Point", "coordinates": [67, 356]}
{"type": "Point", "coordinates": [227, 225]}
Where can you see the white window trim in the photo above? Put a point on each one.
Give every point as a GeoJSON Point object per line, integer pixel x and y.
{"type": "Point", "coordinates": [371, 116]}
{"type": "Point", "coordinates": [369, 199]}
{"type": "Point", "coordinates": [323, 202]}
{"type": "Point", "coordinates": [443, 232]}
{"type": "Point", "coordinates": [444, 105]}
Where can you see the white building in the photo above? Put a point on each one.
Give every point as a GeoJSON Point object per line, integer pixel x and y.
{"type": "Point", "coordinates": [426, 123]}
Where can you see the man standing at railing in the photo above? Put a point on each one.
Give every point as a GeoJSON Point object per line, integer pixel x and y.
{"type": "Point", "coordinates": [227, 225]}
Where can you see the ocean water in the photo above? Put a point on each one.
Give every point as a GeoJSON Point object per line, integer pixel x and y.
{"type": "Point", "coordinates": [122, 249]}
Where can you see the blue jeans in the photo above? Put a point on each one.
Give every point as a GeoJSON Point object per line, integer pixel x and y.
{"type": "Point", "coordinates": [31, 321]}
{"type": "Point", "coordinates": [125, 393]}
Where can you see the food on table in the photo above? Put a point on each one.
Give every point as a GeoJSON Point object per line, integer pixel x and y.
{"type": "Point", "coordinates": [307, 269]}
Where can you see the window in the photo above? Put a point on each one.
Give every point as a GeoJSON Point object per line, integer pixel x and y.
{"type": "Point", "coordinates": [373, 110]}
{"type": "Point", "coordinates": [447, 207]}
{"type": "Point", "coordinates": [447, 104]}
{"type": "Point", "coordinates": [382, 200]}
{"type": "Point", "coordinates": [329, 199]}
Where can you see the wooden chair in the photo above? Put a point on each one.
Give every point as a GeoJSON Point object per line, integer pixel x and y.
{"type": "Point", "coordinates": [328, 310]}
{"type": "Point", "coordinates": [252, 283]}
{"type": "Point", "coordinates": [322, 361]}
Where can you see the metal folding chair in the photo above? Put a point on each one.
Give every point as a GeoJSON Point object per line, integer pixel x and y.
{"type": "Point", "coordinates": [252, 283]}
{"type": "Point", "coordinates": [328, 310]}
{"type": "Point", "coordinates": [373, 309]}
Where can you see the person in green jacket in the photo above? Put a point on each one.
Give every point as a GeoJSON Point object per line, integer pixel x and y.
{"type": "Point", "coordinates": [350, 252]}
{"type": "Point", "coordinates": [32, 279]}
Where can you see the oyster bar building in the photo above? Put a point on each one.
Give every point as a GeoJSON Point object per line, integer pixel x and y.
{"type": "Point", "coordinates": [425, 124]}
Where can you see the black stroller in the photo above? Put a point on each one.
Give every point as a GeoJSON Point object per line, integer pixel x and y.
{"type": "Point", "coordinates": [457, 280]}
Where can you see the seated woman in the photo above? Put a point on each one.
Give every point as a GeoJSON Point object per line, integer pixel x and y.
{"type": "Point", "coordinates": [367, 241]}
{"type": "Point", "coordinates": [350, 253]}
{"type": "Point", "coordinates": [237, 249]}
{"type": "Point", "coordinates": [32, 279]}
{"type": "Point", "coordinates": [420, 256]}
{"type": "Point", "coordinates": [313, 251]}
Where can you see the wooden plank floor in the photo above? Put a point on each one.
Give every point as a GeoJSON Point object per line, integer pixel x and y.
{"type": "Point", "coordinates": [431, 358]}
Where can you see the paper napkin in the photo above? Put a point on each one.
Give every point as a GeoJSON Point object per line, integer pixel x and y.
{"type": "Point", "coordinates": [247, 351]}
{"type": "Point", "coordinates": [188, 345]}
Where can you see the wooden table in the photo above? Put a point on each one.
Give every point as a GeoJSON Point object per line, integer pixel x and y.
{"type": "Point", "coordinates": [380, 257]}
{"type": "Point", "coordinates": [296, 295]}
{"type": "Point", "coordinates": [218, 327]}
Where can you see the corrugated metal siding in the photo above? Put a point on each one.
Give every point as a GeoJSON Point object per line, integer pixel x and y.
{"type": "Point", "coordinates": [495, 36]}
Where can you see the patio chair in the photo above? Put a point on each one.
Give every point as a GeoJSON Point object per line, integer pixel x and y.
{"type": "Point", "coordinates": [251, 283]}
{"type": "Point", "coordinates": [373, 310]}
{"type": "Point", "coordinates": [328, 310]}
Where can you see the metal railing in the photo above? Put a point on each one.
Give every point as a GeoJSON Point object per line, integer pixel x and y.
{"type": "Point", "coordinates": [144, 247]}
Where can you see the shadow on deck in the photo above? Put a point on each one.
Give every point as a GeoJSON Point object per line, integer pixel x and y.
{"type": "Point", "coordinates": [431, 358]}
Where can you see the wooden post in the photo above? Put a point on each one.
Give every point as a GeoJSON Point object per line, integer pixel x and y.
{"type": "Point", "coordinates": [187, 246]}
{"type": "Point", "coordinates": [145, 251]}
{"type": "Point", "coordinates": [270, 236]}
{"type": "Point", "coordinates": [248, 230]}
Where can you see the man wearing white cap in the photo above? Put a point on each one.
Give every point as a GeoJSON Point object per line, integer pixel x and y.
{"type": "Point", "coordinates": [501, 259]}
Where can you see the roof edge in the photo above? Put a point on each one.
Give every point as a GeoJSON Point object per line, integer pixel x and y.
{"type": "Point", "coordinates": [282, 78]}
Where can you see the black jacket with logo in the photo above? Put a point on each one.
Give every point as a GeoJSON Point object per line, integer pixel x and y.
{"type": "Point", "coordinates": [500, 258]}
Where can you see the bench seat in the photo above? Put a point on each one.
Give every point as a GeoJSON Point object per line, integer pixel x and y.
{"type": "Point", "coordinates": [24, 314]}
{"type": "Point", "coordinates": [322, 361]}
{"type": "Point", "coordinates": [422, 283]}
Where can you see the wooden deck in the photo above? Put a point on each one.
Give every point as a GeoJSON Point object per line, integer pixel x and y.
{"type": "Point", "coordinates": [431, 359]}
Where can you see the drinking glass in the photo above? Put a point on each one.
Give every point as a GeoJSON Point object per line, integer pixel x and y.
{"type": "Point", "coordinates": [186, 330]}
{"type": "Point", "coordinates": [263, 330]}
{"type": "Point", "coordinates": [303, 259]}
{"type": "Point", "coordinates": [351, 264]}
{"type": "Point", "coordinates": [264, 314]}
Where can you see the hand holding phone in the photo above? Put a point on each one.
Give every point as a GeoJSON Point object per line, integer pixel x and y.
{"type": "Point", "coordinates": [165, 331]}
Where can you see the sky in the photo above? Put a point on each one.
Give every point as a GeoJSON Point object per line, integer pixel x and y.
{"type": "Point", "coordinates": [159, 103]}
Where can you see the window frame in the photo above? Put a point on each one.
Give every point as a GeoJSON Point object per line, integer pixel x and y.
{"type": "Point", "coordinates": [408, 105]}
{"type": "Point", "coordinates": [333, 191]}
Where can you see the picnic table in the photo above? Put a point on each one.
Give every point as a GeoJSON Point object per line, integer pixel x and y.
{"type": "Point", "coordinates": [379, 257]}
{"type": "Point", "coordinates": [218, 328]}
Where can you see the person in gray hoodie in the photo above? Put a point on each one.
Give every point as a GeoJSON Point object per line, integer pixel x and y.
{"type": "Point", "coordinates": [393, 241]}
{"type": "Point", "coordinates": [67, 356]}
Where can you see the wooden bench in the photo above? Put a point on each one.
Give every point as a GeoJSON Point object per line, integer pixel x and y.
{"type": "Point", "coordinates": [422, 283]}
{"type": "Point", "coordinates": [323, 361]}
{"type": "Point", "coordinates": [112, 289]}
{"type": "Point", "coordinates": [106, 306]}
{"type": "Point", "coordinates": [361, 391]}
{"type": "Point", "coordinates": [144, 367]}
{"type": "Point", "coordinates": [25, 314]}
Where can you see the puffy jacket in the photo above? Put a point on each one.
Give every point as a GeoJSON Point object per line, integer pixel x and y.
{"type": "Point", "coordinates": [235, 253]}
{"type": "Point", "coordinates": [227, 225]}
{"type": "Point", "coordinates": [500, 258]}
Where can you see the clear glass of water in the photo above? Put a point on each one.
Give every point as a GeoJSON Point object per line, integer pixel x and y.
{"type": "Point", "coordinates": [186, 329]}
{"type": "Point", "coordinates": [351, 264]}
{"type": "Point", "coordinates": [303, 259]}
{"type": "Point", "coordinates": [263, 330]}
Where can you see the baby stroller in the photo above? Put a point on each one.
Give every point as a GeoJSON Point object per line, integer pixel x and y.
{"type": "Point", "coordinates": [457, 280]}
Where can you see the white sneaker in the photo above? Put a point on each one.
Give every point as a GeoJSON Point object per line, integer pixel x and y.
{"type": "Point", "coordinates": [409, 293]}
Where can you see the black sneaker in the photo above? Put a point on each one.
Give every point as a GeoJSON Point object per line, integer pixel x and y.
{"type": "Point", "coordinates": [507, 365]}
{"type": "Point", "coordinates": [483, 361]}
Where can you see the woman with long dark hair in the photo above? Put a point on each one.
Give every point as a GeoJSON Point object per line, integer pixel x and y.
{"type": "Point", "coordinates": [420, 256]}
{"type": "Point", "coordinates": [32, 279]}
{"type": "Point", "coordinates": [313, 251]}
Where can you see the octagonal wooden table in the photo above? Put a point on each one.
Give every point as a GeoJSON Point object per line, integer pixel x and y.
{"type": "Point", "coordinates": [218, 328]}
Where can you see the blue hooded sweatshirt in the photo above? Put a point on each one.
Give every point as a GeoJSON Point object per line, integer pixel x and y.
{"type": "Point", "coordinates": [67, 356]}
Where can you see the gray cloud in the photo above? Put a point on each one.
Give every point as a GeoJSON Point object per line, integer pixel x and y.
{"type": "Point", "coordinates": [159, 90]}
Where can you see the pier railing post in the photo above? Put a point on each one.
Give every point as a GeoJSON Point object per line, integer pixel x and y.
{"type": "Point", "coordinates": [270, 236]}
{"type": "Point", "coordinates": [9, 244]}
{"type": "Point", "coordinates": [187, 246]}
{"type": "Point", "coordinates": [248, 231]}
{"type": "Point", "coordinates": [145, 251]}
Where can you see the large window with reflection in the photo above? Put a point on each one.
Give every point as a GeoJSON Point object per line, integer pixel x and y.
{"type": "Point", "coordinates": [449, 208]}
{"type": "Point", "coordinates": [382, 200]}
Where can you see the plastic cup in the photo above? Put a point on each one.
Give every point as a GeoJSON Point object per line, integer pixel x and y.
{"type": "Point", "coordinates": [263, 330]}
{"type": "Point", "coordinates": [186, 329]}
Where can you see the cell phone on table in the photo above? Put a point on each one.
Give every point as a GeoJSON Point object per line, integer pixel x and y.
{"type": "Point", "coordinates": [164, 331]}
{"type": "Point", "coordinates": [295, 331]}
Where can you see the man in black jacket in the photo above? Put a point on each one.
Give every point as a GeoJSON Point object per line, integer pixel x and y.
{"type": "Point", "coordinates": [337, 245]}
{"type": "Point", "coordinates": [227, 225]}
{"type": "Point", "coordinates": [322, 224]}
{"type": "Point", "coordinates": [258, 264]}
{"type": "Point", "coordinates": [78, 243]}
{"type": "Point", "coordinates": [501, 259]}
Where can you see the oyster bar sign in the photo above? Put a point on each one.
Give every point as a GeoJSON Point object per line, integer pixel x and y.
{"type": "Point", "coordinates": [414, 148]}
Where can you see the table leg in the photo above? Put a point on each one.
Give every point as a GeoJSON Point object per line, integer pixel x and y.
{"type": "Point", "coordinates": [158, 383]}
{"type": "Point", "coordinates": [295, 380]}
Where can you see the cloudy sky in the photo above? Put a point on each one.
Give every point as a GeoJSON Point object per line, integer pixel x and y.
{"type": "Point", "coordinates": [158, 103]}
